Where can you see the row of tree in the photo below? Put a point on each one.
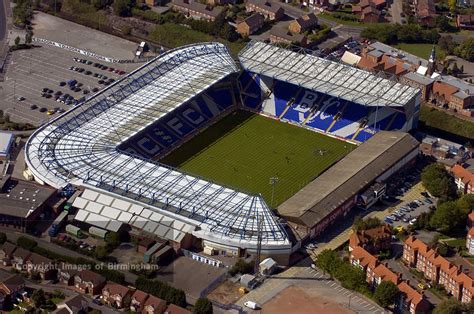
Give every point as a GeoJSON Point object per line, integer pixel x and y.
{"type": "Point", "coordinates": [394, 33]}
{"type": "Point", "coordinates": [161, 290]}
{"type": "Point", "coordinates": [354, 278]}
{"type": "Point", "coordinates": [463, 50]}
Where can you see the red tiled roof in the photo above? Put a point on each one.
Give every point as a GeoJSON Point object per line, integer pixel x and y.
{"type": "Point", "coordinates": [465, 175]}
{"type": "Point", "coordinates": [140, 296]}
{"type": "Point", "coordinates": [411, 294]}
{"type": "Point", "coordinates": [365, 258]}
{"type": "Point", "coordinates": [386, 274]}
{"type": "Point", "coordinates": [116, 289]}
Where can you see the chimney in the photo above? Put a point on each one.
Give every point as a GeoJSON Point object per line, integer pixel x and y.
{"type": "Point", "coordinates": [399, 278]}
{"type": "Point", "coordinates": [407, 281]}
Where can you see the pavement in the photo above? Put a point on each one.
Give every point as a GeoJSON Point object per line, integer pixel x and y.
{"type": "Point", "coordinates": [314, 279]}
{"type": "Point", "coordinates": [395, 11]}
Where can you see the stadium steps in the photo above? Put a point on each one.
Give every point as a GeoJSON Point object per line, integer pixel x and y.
{"type": "Point", "coordinates": [312, 112]}
{"type": "Point", "coordinates": [339, 116]}
{"type": "Point", "coordinates": [356, 133]}
{"type": "Point", "coordinates": [291, 102]}
{"type": "Point", "coordinates": [391, 121]}
{"type": "Point", "coordinates": [287, 107]}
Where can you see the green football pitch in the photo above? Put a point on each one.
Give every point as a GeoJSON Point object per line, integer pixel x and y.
{"type": "Point", "coordinates": [244, 150]}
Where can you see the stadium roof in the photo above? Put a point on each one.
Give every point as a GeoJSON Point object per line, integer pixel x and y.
{"type": "Point", "coordinates": [80, 147]}
{"type": "Point", "coordinates": [351, 174]}
{"type": "Point", "coordinates": [319, 74]}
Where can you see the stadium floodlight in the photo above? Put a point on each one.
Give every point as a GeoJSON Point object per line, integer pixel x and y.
{"type": "Point", "coordinates": [273, 182]}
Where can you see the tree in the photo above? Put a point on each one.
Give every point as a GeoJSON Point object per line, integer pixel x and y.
{"type": "Point", "coordinates": [442, 23]}
{"type": "Point", "coordinates": [448, 217]}
{"type": "Point", "coordinates": [242, 267]}
{"type": "Point", "coordinates": [365, 224]}
{"type": "Point", "coordinates": [203, 306]}
{"type": "Point", "coordinates": [100, 252]}
{"type": "Point", "coordinates": [466, 203]}
{"type": "Point", "coordinates": [17, 40]}
{"type": "Point", "coordinates": [3, 237]}
{"type": "Point", "coordinates": [449, 306]}
{"type": "Point", "coordinates": [26, 243]}
{"type": "Point", "coordinates": [446, 43]}
{"type": "Point", "coordinates": [466, 49]}
{"type": "Point", "coordinates": [28, 37]}
{"type": "Point", "coordinates": [386, 293]}
{"type": "Point", "coordinates": [328, 261]}
{"type": "Point", "coordinates": [112, 239]}
{"type": "Point", "coordinates": [38, 298]}
{"type": "Point", "coordinates": [438, 181]}
{"type": "Point", "coordinates": [452, 5]}
{"type": "Point", "coordinates": [122, 7]}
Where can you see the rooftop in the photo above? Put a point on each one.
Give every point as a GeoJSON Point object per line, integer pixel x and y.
{"type": "Point", "coordinates": [351, 174]}
{"type": "Point", "coordinates": [80, 147]}
{"type": "Point", "coordinates": [21, 198]}
{"type": "Point", "coordinates": [319, 74]}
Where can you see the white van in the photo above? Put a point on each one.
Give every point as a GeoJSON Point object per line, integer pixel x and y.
{"type": "Point", "coordinates": [251, 305]}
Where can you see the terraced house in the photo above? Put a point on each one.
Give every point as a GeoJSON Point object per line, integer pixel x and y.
{"type": "Point", "coordinates": [438, 269]}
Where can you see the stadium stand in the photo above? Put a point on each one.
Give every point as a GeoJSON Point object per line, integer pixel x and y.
{"type": "Point", "coordinates": [335, 192]}
{"type": "Point", "coordinates": [319, 111]}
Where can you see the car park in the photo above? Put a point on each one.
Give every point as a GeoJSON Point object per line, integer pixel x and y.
{"type": "Point", "coordinates": [428, 201]}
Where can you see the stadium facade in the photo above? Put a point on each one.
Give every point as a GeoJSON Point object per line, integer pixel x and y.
{"type": "Point", "coordinates": [108, 144]}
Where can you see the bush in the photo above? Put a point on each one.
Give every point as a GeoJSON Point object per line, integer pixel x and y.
{"type": "Point", "coordinates": [3, 237]}
{"type": "Point", "coordinates": [203, 306]}
{"type": "Point", "coordinates": [162, 290]}
{"type": "Point", "coordinates": [26, 243]}
{"type": "Point", "coordinates": [394, 33]}
{"type": "Point", "coordinates": [438, 181]}
{"type": "Point", "coordinates": [242, 267]}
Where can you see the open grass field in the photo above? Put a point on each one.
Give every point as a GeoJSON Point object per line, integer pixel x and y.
{"type": "Point", "coordinates": [439, 123]}
{"type": "Point", "coordinates": [245, 150]}
{"type": "Point", "coordinates": [419, 50]}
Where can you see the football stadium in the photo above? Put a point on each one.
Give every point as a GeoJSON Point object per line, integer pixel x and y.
{"type": "Point", "coordinates": [198, 149]}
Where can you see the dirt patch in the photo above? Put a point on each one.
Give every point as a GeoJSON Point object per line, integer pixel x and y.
{"type": "Point", "coordinates": [226, 293]}
{"type": "Point", "coordinates": [293, 298]}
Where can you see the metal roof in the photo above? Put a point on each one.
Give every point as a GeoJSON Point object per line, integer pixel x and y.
{"type": "Point", "coordinates": [351, 174]}
{"type": "Point", "coordinates": [80, 147]}
{"type": "Point", "coordinates": [319, 74]}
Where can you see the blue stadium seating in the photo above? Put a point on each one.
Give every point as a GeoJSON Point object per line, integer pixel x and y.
{"type": "Point", "coordinates": [250, 89]}
{"type": "Point", "coordinates": [179, 123]}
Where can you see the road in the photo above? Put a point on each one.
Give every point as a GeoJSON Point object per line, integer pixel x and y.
{"type": "Point", "coordinates": [3, 22]}
{"type": "Point", "coordinates": [396, 11]}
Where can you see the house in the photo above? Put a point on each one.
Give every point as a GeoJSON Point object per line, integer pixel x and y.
{"type": "Point", "coordinates": [89, 282]}
{"type": "Point", "coordinates": [174, 309]}
{"type": "Point", "coordinates": [250, 25]}
{"type": "Point", "coordinates": [465, 21]}
{"type": "Point", "coordinates": [248, 281]}
{"type": "Point", "coordinates": [137, 302]}
{"type": "Point", "coordinates": [411, 300]}
{"type": "Point", "coordinates": [66, 273]}
{"type": "Point", "coordinates": [42, 266]}
{"type": "Point", "coordinates": [370, 14]}
{"type": "Point", "coordinates": [20, 256]}
{"type": "Point", "coordinates": [375, 271]}
{"type": "Point", "coordinates": [113, 294]}
{"type": "Point", "coordinates": [303, 23]}
{"type": "Point", "coordinates": [6, 253]}
{"type": "Point", "coordinates": [425, 12]}
{"type": "Point", "coordinates": [424, 83]}
{"type": "Point", "coordinates": [373, 240]}
{"type": "Point", "coordinates": [453, 92]}
{"type": "Point", "coordinates": [10, 284]}
{"type": "Point", "coordinates": [154, 305]}
{"type": "Point", "coordinates": [438, 269]}
{"type": "Point", "coordinates": [278, 35]}
{"type": "Point", "coordinates": [269, 9]}
{"type": "Point", "coordinates": [145, 244]}
{"type": "Point", "coordinates": [464, 178]}
{"type": "Point", "coordinates": [196, 10]}
{"type": "Point", "coordinates": [73, 305]}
